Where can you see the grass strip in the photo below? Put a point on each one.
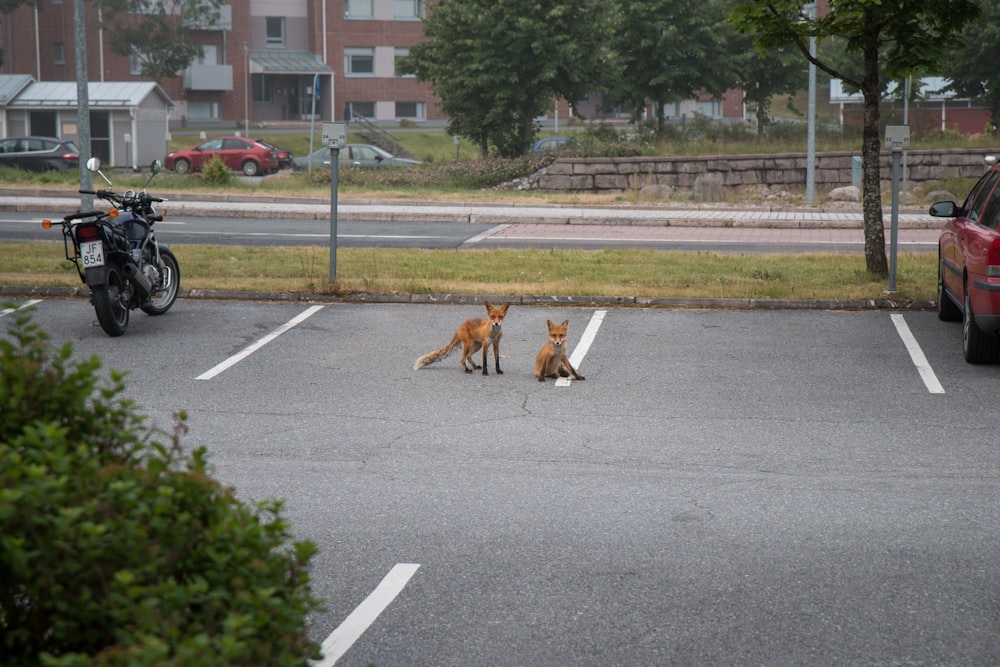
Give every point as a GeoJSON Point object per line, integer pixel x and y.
{"type": "Point", "coordinates": [515, 272]}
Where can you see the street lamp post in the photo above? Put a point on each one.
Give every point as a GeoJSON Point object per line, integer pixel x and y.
{"type": "Point", "coordinates": [246, 89]}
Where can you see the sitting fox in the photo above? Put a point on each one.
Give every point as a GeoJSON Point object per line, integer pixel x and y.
{"type": "Point", "coordinates": [473, 334]}
{"type": "Point", "coordinates": [553, 359]}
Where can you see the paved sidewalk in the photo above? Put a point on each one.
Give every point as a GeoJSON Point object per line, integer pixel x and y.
{"type": "Point", "coordinates": [909, 239]}
{"type": "Point", "coordinates": [725, 217]}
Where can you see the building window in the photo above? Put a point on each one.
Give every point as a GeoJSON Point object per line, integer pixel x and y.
{"type": "Point", "coordinates": [359, 9]}
{"type": "Point", "coordinates": [408, 10]}
{"type": "Point", "coordinates": [203, 111]}
{"type": "Point", "coordinates": [261, 85]}
{"type": "Point", "coordinates": [134, 62]}
{"type": "Point", "coordinates": [275, 31]}
{"type": "Point", "coordinates": [360, 110]}
{"type": "Point", "coordinates": [411, 110]}
{"type": "Point", "coordinates": [59, 53]}
{"type": "Point", "coordinates": [401, 56]}
{"type": "Point", "coordinates": [359, 62]}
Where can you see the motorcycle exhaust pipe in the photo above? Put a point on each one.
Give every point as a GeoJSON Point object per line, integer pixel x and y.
{"type": "Point", "coordinates": [136, 277]}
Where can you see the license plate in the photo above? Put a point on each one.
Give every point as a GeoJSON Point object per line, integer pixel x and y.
{"type": "Point", "coordinates": [92, 254]}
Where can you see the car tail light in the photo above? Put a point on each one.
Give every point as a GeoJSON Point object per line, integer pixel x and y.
{"type": "Point", "coordinates": [70, 156]}
{"type": "Point", "coordinates": [87, 233]}
{"type": "Point", "coordinates": [993, 259]}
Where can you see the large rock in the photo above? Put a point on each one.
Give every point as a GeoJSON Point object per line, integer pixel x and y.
{"type": "Point", "coordinates": [846, 193]}
{"type": "Point", "coordinates": [939, 195]}
{"type": "Point", "coordinates": [656, 192]}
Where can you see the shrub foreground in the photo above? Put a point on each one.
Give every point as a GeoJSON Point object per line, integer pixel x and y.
{"type": "Point", "coordinates": [117, 549]}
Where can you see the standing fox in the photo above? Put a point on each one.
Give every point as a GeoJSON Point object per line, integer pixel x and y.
{"type": "Point", "coordinates": [473, 334]}
{"type": "Point", "coordinates": [553, 360]}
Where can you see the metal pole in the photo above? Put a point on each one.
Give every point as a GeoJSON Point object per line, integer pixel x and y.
{"type": "Point", "coordinates": [82, 103]}
{"type": "Point", "coordinates": [246, 89]}
{"type": "Point", "coordinates": [312, 120]}
{"type": "Point", "coordinates": [334, 168]}
{"type": "Point", "coordinates": [894, 235]}
{"type": "Point", "coordinates": [811, 120]}
{"type": "Point", "coordinates": [906, 121]}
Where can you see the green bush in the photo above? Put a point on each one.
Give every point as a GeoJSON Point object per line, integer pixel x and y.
{"type": "Point", "coordinates": [469, 174]}
{"type": "Point", "coordinates": [215, 172]}
{"type": "Point", "coordinates": [117, 549]}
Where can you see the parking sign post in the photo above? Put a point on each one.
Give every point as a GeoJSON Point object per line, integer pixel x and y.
{"type": "Point", "coordinates": [898, 139]}
{"type": "Point", "coordinates": [334, 136]}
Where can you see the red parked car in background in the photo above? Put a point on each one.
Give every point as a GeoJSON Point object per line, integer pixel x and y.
{"type": "Point", "coordinates": [240, 154]}
{"type": "Point", "coordinates": [969, 268]}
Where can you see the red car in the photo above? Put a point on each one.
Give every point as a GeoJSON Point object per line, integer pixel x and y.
{"type": "Point", "coordinates": [240, 154]}
{"type": "Point", "coordinates": [969, 268]}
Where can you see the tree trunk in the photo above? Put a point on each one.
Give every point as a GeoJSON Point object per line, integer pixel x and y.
{"type": "Point", "coordinates": [871, 186]}
{"type": "Point", "coordinates": [762, 119]}
{"type": "Point", "coordinates": [993, 128]}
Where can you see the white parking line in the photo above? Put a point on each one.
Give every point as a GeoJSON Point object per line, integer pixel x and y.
{"type": "Point", "coordinates": [580, 351]}
{"type": "Point", "coordinates": [250, 349]}
{"type": "Point", "coordinates": [341, 639]}
{"type": "Point", "coordinates": [26, 304]}
{"type": "Point", "coordinates": [917, 355]}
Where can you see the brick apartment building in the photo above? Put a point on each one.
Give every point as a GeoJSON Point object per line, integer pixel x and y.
{"type": "Point", "coordinates": [263, 60]}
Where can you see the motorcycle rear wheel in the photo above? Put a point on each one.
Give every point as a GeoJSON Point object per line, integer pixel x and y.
{"type": "Point", "coordinates": [160, 301]}
{"type": "Point", "coordinates": [112, 313]}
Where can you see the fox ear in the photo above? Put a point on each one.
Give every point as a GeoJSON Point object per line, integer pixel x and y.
{"type": "Point", "coordinates": [565, 323]}
{"type": "Point", "coordinates": [549, 324]}
{"type": "Point", "coordinates": [489, 306]}
{"type": "Point", "coordinates": [505, 307]}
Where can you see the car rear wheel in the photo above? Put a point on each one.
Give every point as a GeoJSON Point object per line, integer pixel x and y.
{"type": "Point", "coordinates": [978, 347]}
{"type": "Point", "coordinates": [182, 166]}
{"type": "Point", "coordinates": [948, 310]}
{"type": "Point", "coordinates": [250, 168]}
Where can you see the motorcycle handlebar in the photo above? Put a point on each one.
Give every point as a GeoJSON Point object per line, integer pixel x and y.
{"type": "Point", "coordinates": [136, 199]}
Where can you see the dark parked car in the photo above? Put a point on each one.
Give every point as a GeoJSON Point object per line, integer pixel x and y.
{"type": "Point", "coordinates": [969, 268]}
{"type": "Point", "coordinates": [285, 157]}
{"type": "Point", "coordinates": [240, 154]}
{"type": "Point", "coordinates": [39, 153]}
{"type": "Point", "coordinates": [554, 144]}
{"type": "Point", "coordinates": [355, 155]}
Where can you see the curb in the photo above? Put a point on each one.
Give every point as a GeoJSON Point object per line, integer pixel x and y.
{"type": "Point", "coordinates": [523, 300]}
{"type": "Point", "coordinates": [225, 205]}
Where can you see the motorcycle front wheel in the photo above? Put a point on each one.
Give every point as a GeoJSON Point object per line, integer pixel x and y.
{"type": "Point", "coordinates": [109, 304]}
{"type": "Point", "coordinates": [170, 282]}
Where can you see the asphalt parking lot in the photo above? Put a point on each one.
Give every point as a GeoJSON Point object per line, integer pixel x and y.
{"type": "Point", "coordinates": [726, 487]}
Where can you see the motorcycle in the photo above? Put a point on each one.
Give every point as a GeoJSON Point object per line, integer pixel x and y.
{"type": "Point", "coordinates": [117, 255]}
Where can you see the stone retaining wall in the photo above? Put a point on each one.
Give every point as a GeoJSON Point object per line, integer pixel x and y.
{"type": "Point", "coordinates": [779, 171]}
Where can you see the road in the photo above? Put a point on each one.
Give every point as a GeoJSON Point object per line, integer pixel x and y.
{"type": "Point", "coordinates": [18, 226]}
{"type": "Point", "coordinates": [726, 487]}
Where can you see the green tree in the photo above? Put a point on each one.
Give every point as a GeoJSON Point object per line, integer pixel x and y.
{"type": "Point", "coordinates": [670, 51]}
{"type": "Point", "coordinates": [497, 65]}
{"type": "Point", "coordinates": [971, 67]}
{"type": "Point", "coordinates": [762, 77]}
{"type": "Point", "coordinates": [158, 31]}
{"type": "Point", "coordinates": [119, 549]}
{"type": "Point", "coordinates": [896, 38]}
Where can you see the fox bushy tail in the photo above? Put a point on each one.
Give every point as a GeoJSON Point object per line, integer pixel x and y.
{"type": "Point", "coordinates": [438, 354]}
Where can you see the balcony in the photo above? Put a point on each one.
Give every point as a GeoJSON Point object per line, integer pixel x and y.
{"type": "Point", "coordinates": [208, 77]}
